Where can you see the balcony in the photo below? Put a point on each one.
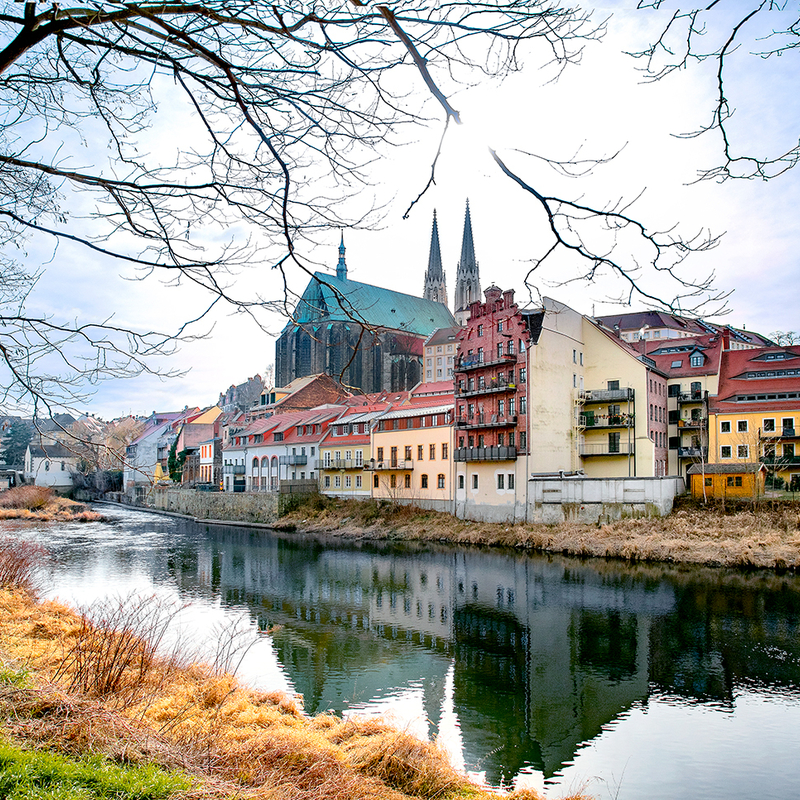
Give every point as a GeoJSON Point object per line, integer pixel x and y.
{"type": "Point", "coordinates": [779, 461]}
{"type": "Point", "coordinates": [234, 469]}
{"type": "Point", "coordinates": [340, 463]}
{"type": "Point", "coordinates": [294, 460]}
{"type": "Point", "coordinates": [606, 421]}
{"type": "Point", "coordinates": [692, 452]}
{"type": "Point", "coordinates": [695, 422]}
{"type": "Point", "coordinates": [486, 421]}
{"type": "Point", "coordinates": [690, 397]}
{"type": "Point", "coordinates": [606, 449]}
{"type": "Point", "coordinates": [484, 453]}
{"type": "Point", "coordinates": [467, 363]}
{"type": "Point", "coordinates": [784, 433]}
{"type": "Point", "coordinates": [606, 395]}
{"type": "Point", "coordinates": [389, 464]}
{"type": "Point", "coordinates": [495, 386]}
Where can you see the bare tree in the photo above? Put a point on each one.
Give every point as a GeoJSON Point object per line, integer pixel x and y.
{"type": "Point", "coordinates": [287, 107]}
{"type": "Point", "coordinates": [733, 40]}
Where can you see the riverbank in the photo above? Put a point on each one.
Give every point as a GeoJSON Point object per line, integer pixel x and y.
{"type": "Point", "coordinates": [765, 536]}
{"type": "Point", "coordinates": [40, 503]}
{"type": "Point", "coordinates": [85, 703]}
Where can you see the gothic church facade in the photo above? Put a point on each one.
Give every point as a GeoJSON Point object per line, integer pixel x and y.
{"type": "Point", "coordinates": [368, 338]}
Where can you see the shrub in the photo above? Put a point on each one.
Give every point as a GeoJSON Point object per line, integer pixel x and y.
{"type": "Point", "coordinates": [20, 564]}
{"type": "Point", "coordinates": [115, 648]}
{"type": "Point", "coordinates": [30, 497]}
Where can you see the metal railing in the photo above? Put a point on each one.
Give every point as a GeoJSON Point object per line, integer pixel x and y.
{"type": "Point", "coordinates": [606, 395]}
{"type": "Point", "coordinates": [372, 464]}
{"type": "Point", "coordinates": [486, 421]}
{"type": "Point", "coordinates": [606, 449]}
{"type": "Point", "coordinates": [484, 453]}
{"type": "Point", "coordinates": [606, 421]}
{"type": "Point", "coordinates": [234, 469]}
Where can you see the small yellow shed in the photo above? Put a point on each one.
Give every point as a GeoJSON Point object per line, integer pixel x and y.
{"type": "Point", "coordinates": [744, 480]}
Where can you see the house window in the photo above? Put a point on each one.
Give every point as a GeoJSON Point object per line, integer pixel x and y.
{"type": "Point", "coordinates": [501, 407]}
{"type": "Point", "coordinates": [613, 442]}
{"type": "Point", "coordinates": [742, 451]}
{"type": "Point", "coordinates": [444, 451]}
{"type": "Point", "coordinates": [358, 481]}
{"type": "Point", "coordinates": [741, 426]}
{"type": "Point", "coordinates": [47, 466]}
{"type": "Point", "coordinates": [788, 451]}
{"type": "Point", "coordinates": [393, 481]}
{"type": "Point", "coordinates": [380, 454]}
{"type": "Point", "coordinates": [709, 481]}
{"type": "Point", "coordinates": [729, 481]}
{"type": "Point", "coordinates": [359, 458]}
{"type": "Point", "coordinates": [500, 326]}
{"type": "Point", "coordinates": [408, 452]}
{"type": "Point", "coordinates": [737, 480]}
{"type": "Point", "coordinates": [348, 482]}
{"type": "Point", "coordinates": [574, 356]}
{"type": "Point", "coordinates": [475, 481]}
{"type": "Point", "coordinates": [407, 481]}
{"type": "Point", "coordinates": [375, 480]}
{"type": "Point", "coordinates": [327, 481]}
{"type": "Point", "coordinates": [696, 360]}
{"type": "Point", "coordinates": [424, 481]}
{"type": "Point", "coordinates": [440, 481]}
{"type": "Point", "coordinates": [523, 404]}
{"type": "Point", "coordinates": [768, 425]}
{"type": "Point", "coordinates": [432, 452]}
{"type": "Point", "coordinates": [480, 330]}
{"type": "Point", "coordinates": [499, 349]}
{"type": "Point", "coordinates": [726, 451]}
{"type": "Point", "coordinates": [613, 386]}
{"type": "Point", "coordinates": [460, 481]}
{"type": "Point", "coordinates": [510, 480]}
{"type": "Point", "coordinates": [523, 374]}
{"type": "Point", "coordinates": [419, 452]}
{"type": "Point", "coordinates": [337, 481]}
{"type": "Point", "coordinates": [725, 426]}
{"type": "Point", "coordinates": [787, 422]}
{"type": "Point", "coordinates": [501, 481]}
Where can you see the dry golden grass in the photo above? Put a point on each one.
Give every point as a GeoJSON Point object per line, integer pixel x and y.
{"type": "Point", "coordinates": [762, 536]}
{"type": "Point", "coordinates": [39, 503]}
{"type": "Point", "coordinates": [236, 741]}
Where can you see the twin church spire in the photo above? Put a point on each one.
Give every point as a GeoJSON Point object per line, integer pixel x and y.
{"type": "Point", "coordinates": [468, 284]}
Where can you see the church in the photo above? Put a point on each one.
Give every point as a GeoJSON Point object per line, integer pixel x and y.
{"type": "Point", "coordinates": [368, 338]}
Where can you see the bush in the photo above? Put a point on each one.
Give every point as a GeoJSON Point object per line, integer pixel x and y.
{"type": "Point", "coordinates": [30, 497]}
{"type": "Point", "coordinates": [20, 564]}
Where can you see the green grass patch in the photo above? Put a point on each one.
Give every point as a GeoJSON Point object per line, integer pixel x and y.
{"type": "Point", "coordinates": [18, 678]}
{"type": "Point", "coordinates": [41, 775]}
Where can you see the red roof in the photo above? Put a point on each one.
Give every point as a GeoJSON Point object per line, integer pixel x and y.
{"type": "Point", "coordinates": [766, 376]}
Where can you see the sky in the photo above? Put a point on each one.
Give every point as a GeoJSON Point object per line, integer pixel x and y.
{"type": "Point", "coordinates": [595, 109]}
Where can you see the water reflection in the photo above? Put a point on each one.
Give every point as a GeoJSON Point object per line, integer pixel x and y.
{"type": "Point", "coordinates": [516, 661]}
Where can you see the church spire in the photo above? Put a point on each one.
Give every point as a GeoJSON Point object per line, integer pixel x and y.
{"type": "Point", "coordinates": [435, 285]}
{"type": "Point", "coordinates": [468, 282]}
{"type": "Point", "coordinates": [341, 267]}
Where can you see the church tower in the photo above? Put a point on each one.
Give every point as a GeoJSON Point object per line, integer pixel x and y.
{"type": "Point", "coordinates": [341, 267]}
{"type": "Point", "coordinates": [435, 284]}
{"type": "Point", "coordinates": [468, 282]}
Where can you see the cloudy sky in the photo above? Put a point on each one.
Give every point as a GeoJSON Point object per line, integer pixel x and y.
{"type": "Point", "coordinates": [594, 109]}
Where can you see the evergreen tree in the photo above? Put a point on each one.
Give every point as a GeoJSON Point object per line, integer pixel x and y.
{"type": "Point", "coordinates": [175, 462]}
{"type": "Point", "coordinates": [15, 443]}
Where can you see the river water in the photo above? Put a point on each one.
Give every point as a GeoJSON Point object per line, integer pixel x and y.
{"type": "Point", "coordinates": [626, 681]}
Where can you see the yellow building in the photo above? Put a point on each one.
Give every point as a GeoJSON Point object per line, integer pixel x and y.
{"type": "Point", "coordinates": [411, 456]}
{"type": "Point", "coordinates": [755, 417]}
{"type": "Point", "coordinates": [598, 405]}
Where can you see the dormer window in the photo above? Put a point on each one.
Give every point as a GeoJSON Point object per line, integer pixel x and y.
{"type": "Point", "coordinates": [696, 360]}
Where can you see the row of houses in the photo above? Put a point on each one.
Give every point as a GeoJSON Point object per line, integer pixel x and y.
{"type": "Point", "coordinates": [530, 394]}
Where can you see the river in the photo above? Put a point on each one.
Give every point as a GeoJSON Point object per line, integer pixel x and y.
{"type": "Point", "coordinates": [625, 681]}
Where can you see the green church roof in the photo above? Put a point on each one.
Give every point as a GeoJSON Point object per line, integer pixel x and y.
{"type": "Point", "coordinates": [331, 299]}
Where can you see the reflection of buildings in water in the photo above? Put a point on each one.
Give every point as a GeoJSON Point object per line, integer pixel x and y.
{"type": "Point", "coordinates": [544, 652]}
{"type": "Point", "coordinates": [543, 657]}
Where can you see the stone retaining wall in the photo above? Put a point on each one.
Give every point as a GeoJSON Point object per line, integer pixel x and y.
{"type": "Point", "coordinates": [236, 507]}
